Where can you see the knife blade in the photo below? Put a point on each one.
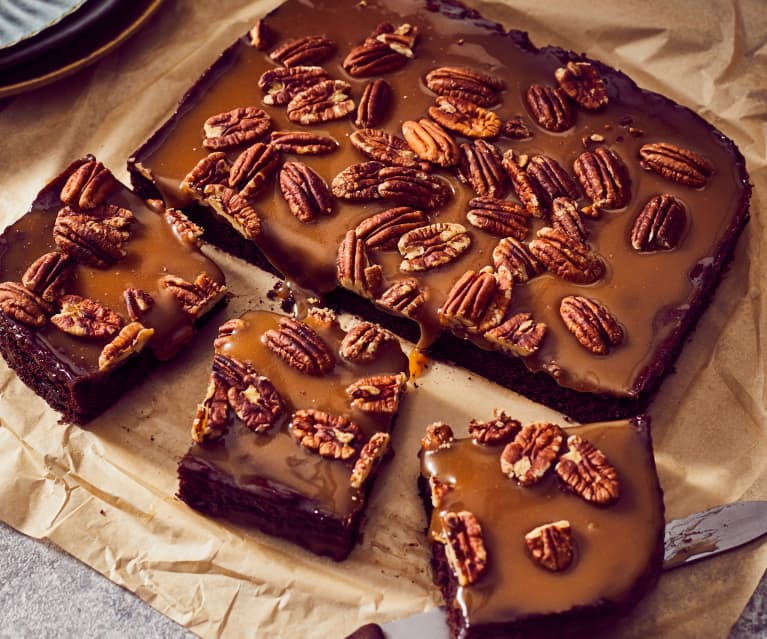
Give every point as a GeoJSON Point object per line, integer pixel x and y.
{"type": "Point", "coordinates": [686, 540]}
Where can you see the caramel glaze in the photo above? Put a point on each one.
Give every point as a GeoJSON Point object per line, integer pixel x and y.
{"type": "Point", "coordinates": [649, 293]}
{"type": "Point", "coordinates": [616, 546]}
{"type": "Point", "coordinates": [274, 459]}
{"type": "Point", "coordinates": [153, 250]}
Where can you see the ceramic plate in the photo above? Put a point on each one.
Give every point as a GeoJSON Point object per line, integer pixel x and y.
{"type": "Point", "coordinates": [22, 19]}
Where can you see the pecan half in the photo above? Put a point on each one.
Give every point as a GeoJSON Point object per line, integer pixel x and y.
{"type": "Point", "coordinates": [310, 50]}
{"type": "Point", "coordinates": [586, 471]}
{"type": "Point", "coordinates": [300, 347]}
{"type": "Point", "coordinates": [212, 169]}
{"type": "Point", "coordinates": [516, 128]}
{"type": "Point", "coordinates": [432, 246]}
{"type": "Point", "coordinates": [582, 82]}
{"type": "Point", "coordinates": [525, 186]}
{"type": "Point", "coordinates": [566, 218]}
{"type": "Point", "coordinates": [364, 341]}
{"type": "Point", "coordinates": [386, 50]}
{"type": "Point", "coordinates": [465, 117]}
{"type": "Point", "coordinates": [604, 178]}
{"type": "Point", "coordinates": [260, 35]}
{"type": "Point", "coordinates": [480, 166]}
{"type": "Point", "coordinates": [412, 187]}
{"type": "Point", "coordinates": [496, 431]}
{"type": "Point", "coordinates": [464, 546]}
{"type": "Point", "coordinates": [676, 163]}
{"type": "Point", "coordinates": [401, 39]}
{"type": "Point", "coordinates": [234, 209]}
{"type": "Point", "coordinates": [519, 335]}
{"type": "Point", "coordinates": [96, 238]}
{"type": "Point", "coordinates": [475, 302]}
{"type": "Point", "coordinates": [303, 142]}
{"type": "Point", "coordinates": [382, 230]}
{"type": "Point", "coordinates": [131, 339]}
{"type": "Point", "coordinates": [438, 490]}
{"type": "Point", "coordinates": [85, 317]}
{"type": "Point", "coordinates": [211, 419]}
{"type": "Point", "coordinates": [183, 228]}
{"type": "Point", "coordinates": [137, 302]}
{"type": "Point", "coordinates": [357, 182]}
{"type": "Point", "coordinates": [369, 459]}
{"type": "Point", "coordinates": [550, 107]}
{"type": "Point", "coordinates": [331, 436]}
{"type": "Point", "coordinates": [88, 186]}
{"type": "Point", "coordinates": [282, 84]}
{"type": "Point", "coordinates": [374, 103]}
{"type": "Point", "coordinates": [378, 393]}
{"type": "Point", "coordinates": [532, 452]}
{"type": "Point", "coordinates": [566, 257]}
{"type": "Point", "coordinates": [513, 260]}
{"type": "Point", "coordinates": [195, 298]}
{"type": "Point", "coordinates": [404, 297]}
{"type": "Point", "coordinates": [593, 325]}
{"type": "Point", "coordinates": [354, 269]}
{"type": "Point", "coordinates": [461, 82]}
{"type": "Point", "coordinates": [551, 545]}
{"type": "Point", "coordinates": [233, 128]}
{"type": "Point", "coordinates": [47, 275]}
{"type": "Point", "coordinates": [384, 147]}
{"type": "Point", "coordinates": [659, 224]}
{"type": "Point", "coordinates": [306, 193]}
{"type": "Point", "coordinates": [23, 305]}
{"type": "Point", "coordinates": [437, 435]}
{"type": "Point", "coordinates": [253, 168]}
{"type": "Point", "coordinates": [225, 332]}
{"type": "Point", "coordinates": [431, 142]}
{"type": "Point", "coordinates": [322, 102]}
{"type": "Point", "coordinates": [551, 179]}
{"type": "Point", "coordinates": [498, 217]}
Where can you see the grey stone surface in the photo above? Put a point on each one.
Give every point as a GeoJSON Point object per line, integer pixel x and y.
{"type": "Point", "coordinates": [752, 623]}
{"type": "Point", "coordinates": [45, 593]}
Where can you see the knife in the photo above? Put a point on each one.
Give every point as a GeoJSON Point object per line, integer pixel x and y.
{"type": "Point", "coordinates": [686, 540]}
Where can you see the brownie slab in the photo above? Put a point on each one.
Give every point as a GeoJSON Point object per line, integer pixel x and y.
{"type": "Point", "coordinates": [293, 427]}
{"type": "Point", "coordinates": [97, 288]}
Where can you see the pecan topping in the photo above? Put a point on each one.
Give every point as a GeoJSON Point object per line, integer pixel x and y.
{"type": "Point", "coordinates": [382, 231]}
{"type": "Point", "coordinates": [85, 317]}
{"type": "Point", "coordinates": [465, 117]}
{"type": "Point", "coordinates": [363, 342]}
{"type": "Point", "coordinates": [301, 51]}
{"type": "Point", "coordinates": [212, 417]}
{"type": "Point", "coordinates": [234, 128]}
{"type": "Point", "coordinates": [585, 470]}
{"type": "Point", "coordinates": [437, 435]}
{"type": "Point", "coordinates": [23, 305]}
{"type": "Point", "coordinates": [431, 142]}
{"type": "Point", "coordinates": [331, 436]}
{"type": "Point", "coordinates": [432, 246]}
{"type": "Point", "coordinates": [659, 224]}
{"type": "Point", "coordinates": [96, 238]}
{"type": "Point", "coordinates": [676, 163]}
{"type": "Point", "coordinates": [131, 339]}
{"type": "Point", "coordinates": [253, 167]}
{"type": "Point", "coordinates": [300, 347]}
{"type": "Point", "coordinates": [459, 82]}
{"type": "Point", "coordinates": [369, 459]}
{"type": "Point", "coordinates": [551, 545]}
{"type": "Point", "coordinates": [400, 39]}
{"type": "Point", "coordinates": [260, 35]}
{"type": "Point", "coordinates": [498, 217]}
{"type": "Point", "coordinates": [377, 394]}
{"type": "Point", "coordinates": [212, 169]}
{"type": "Point", "coordinates": [234, 209]}
{"type": "Point", "coordinates": [604, 178]}
{"type": "Point", "coordinates": [374, 103]}
{"type": "Point", "coordinates": [138, 302]}
{"type": "Point", "coordinates": [550, 107]}
{"type": "Point", "coordinates": [551, 179]}
{"type": "Point", "coordinates": [532, 452]}
{"type": "Point", "coordinates": [47, 275]}
{"type": "Point", "coordinates": [384, 147]}
{"type": "Point", "coordinates": [386, 50]}
{"type": "Point", "coordinates": [183, 228]}
{"type": "Point", "coordinates": [225, 332]}
{"type": "Point", "coordinates": [516, 128]}
{"type": "Point", "coordinates": [464, 546]}
{"type": "Point", "coordinates": [496, 431]}
{"type": "Point", "coordinates": [566, 218]}
{"type": "Point", "coordinates": [306, 193]}
{"type": "Point", "coordinates": [566, 257]}
{"type": "Point", "coordinates": [514, 261]}
{"type": "Point", "coordinates": [480, 166]}
{"type": "Point", "coordinates": [593, 325]}
{"type": "Point", "coordinates": [582, 82]}
{"type": "Point", "coordinates": [403, 297]}
{"type": "Point", "coordinates": [195, 298]}
{"type": "Point", "coordinates": [354, 270]}
{"type": "Point", "coordinates": [88, 186]}
{"type": "Point", "coordinates": [412, 187]}
{"type": "Point", "coordinates": [519, 335]}
{"type": "Point", "coordinates": [525, 186]}
{"type": "Point", "coordinates": [357, 182]}
{"type": "Point", "coordinates": [282, 84]}
{"type": "Point", "coordinates": [303, 142]}
{"type": "Point", "coordinates": [322, 102]}
{"type": "Point", "coordinates": [475, 302]}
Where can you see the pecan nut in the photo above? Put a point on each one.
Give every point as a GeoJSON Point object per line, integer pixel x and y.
{"type": "Point", "coordinates": [378, 393]}
{"type": "Point", "coordinates": [183, 228]}
{"type": "Point", "coordinates": [330, 436]}
{"type": "Point", "coordinates": [130, 340]}
{"type": "Point", "coordinates": [225, 332]}
{"type": "Point", "coordinates": [551, 545]}
{"type": "Point", "coordinates": [196, 298]}
{"type": "Point", "coordinates": [354, 269]}
{"type": "Point", "coordinates": [498, 217]}
{"type": "Point", "coordinates": [253, 168]}
{"type": "Point", "coordinates": [307, 194]}
{"type": "Point", "coordinates": [676, 163]}
{"type": "Point", "coordinates": [460, 82]}
{"type": "Point", "coordinates": [401, 39]}
{"type": "Point", "coordinates": [211, 419]}
{"type": "Point", "coordinates": [475, 302]}
{"type": "Point", "coordinates": [582, 82]}
{"type": "Point", "coordinates": [513, 260]}
{"type": "Point", "coordinates": [519, 335]}
{"type": "Point", "coordinates": [567, 258]}
{"type": "Point", "coordinates": [585, 470]}
{"type": "Point", "coordinates": [357, 182]}
{"type": "Point", "coordinates": [239, 126]}
{"type": "Point", "coordinates": [432, 246]}
{"type": "Point", "coordinates": [212, 169]}
{"type": "Point", "coordinates": [137, 302]}
{"type": "Point", "coordinates": [369, 459]}
{"type": "Point", "coordinates": [659, 224]}
{"type": "Point", "coordinates": [322, 102]}
{"type": "Point", "coordinates": [374, 103]}
{"type": "Point", "coordinates": [532, 452]}
{"type": "Point", "coordinates": [382, 231]}
{"type": "Point", "coordinates": [551, 179]}
{"type": "Point", "coordinates": [384, 147]}
{"type": "Point", "coordinates": [303, 142]}
{"type": "Point", "coordinates": [96, 238]}
{"type": "Point", "coordinates": [412, 187]}
{"type": "Point", "coordinates": [465, 117]}
{"type": "Point", "coordinates": [386, 50]}
{"type": "Point", "coordinates": [464, 546]}
{"type": "Point", "coordinates": [566, 218]}
{"type": "Point", "coordinates": [364, 342]}
{"type": "Point", "coordinates": [438, 491]}
{"type": "Point", "coordinates": [516, 128]}
{"type": "Point", "coordinates": [437, 435]}
{"type": "Point", "coordinates": [404, 297]}
{"type": "Point", "coordinates": [85, 317]}
{"type": "Point", "coordinates": [300, 347]}
{"type": "Point", "coordinates": [23, 305]}
{"type": "Point", "coordinates": [496, 431]}
{"type": "Point", "coordinates": [234, 209]}
{"type": "Point", "coordinates": [604, 178]}
{"type": "Point", "coordinates": [47, 275]}
{"type": "Point", "coordinates": [481, 167]}
{"type": "Point", "coordinates": [310, 50]}
{"type": "Point", "coordinates": [430, 142]}
{"type": "Point", "coordinates": [260, 35]}
{"type": "Point", "coordinates": [282, 84]}
{"type": "Point", "coordinates": [88, 186]}
{"type": "Point", "coordinates": [525, 186]}
{"type": "Point", "coordinates": [592, 324]}
{"type": "Point", "coordinates": [550, 107]}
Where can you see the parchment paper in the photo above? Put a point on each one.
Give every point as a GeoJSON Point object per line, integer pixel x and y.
{"type": "Point", "coordinates": [105, 494]}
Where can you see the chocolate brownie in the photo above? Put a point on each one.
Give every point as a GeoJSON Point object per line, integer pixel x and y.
{"type": "Point", "coordinates": [293, 427]}
{"type": "Point", "coordinates": [97, 287]}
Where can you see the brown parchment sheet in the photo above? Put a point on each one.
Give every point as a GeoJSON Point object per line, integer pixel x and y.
{"type": "Point", "coordinates": [105, 494]}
